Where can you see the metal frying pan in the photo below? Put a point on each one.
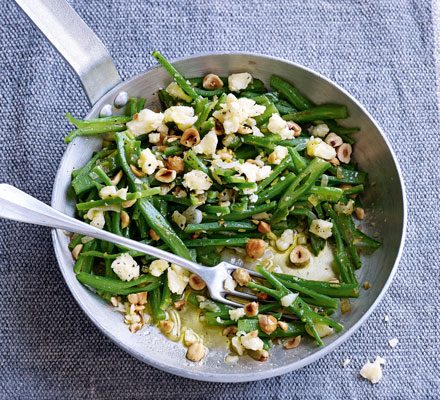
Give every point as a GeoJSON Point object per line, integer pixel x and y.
{"type": "Point", "coordinates": [386, 199]}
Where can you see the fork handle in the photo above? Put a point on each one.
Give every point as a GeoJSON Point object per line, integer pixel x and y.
{"type": "Point", "coordinates": [19, 206]}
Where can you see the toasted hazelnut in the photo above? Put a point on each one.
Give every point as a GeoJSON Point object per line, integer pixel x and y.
{"type": "Point", "coordinates": [251, 309]}
{"type": "Point", "coordinates": [259, 355]}
{"type": "Point", "coordinates": [292, 343]}
{"type": "Point", "coordinates": [175, 163]}
{"type": "Point", "coordinates": [212, 81]}
{"type": "Point", "coordinates": [359, 212]}
{"type": "Point", "coordinates": [344, 153]}
{"type": "Point", "coordinates": [196, 282]}
{"type": "Point", "coordinates": [334, 161]}
{"type": "Point", "coordinates": [196, 352]}
{"type": "Point", "coordinates": [283, 325]}
{"type": "Point", "coordinates": [117, 178]}
{"type": "Point", "coordinates": [263, 227]}
{"type": "Point", "coordinates": [135, 327]}
{"type": "Point", "coordinates": [125, 219]}
{"type": "Point", "coordinates": [241, 276]}
{"type": "Point", "coordinates": [345, 306]}
{"type": "Point", "coordinates": [333, 139]}
{"type": "Point", "coordinates": [165, 175]}
{"type": "Point", "coordinates": [128, 203]}
{"type": "Point", "coordinates": [137, 298]}
{"type": "Point", "coordinates": [76, 251]}
{"type": "Point", "coordinates": [179, 305]}
{"type": "Point", "coordinates": [293, 126]}
{"type": "Point", "coordinates": [136, 171]}
{"type": "Point", "coordinates": [366, 285]}
{"type": "Point", "coordinates": [153, 235]}
{"type": "Point", "coordinates": [229, 330]}
{"type": "Point", "coordinates": [262, 296]}
{"type": "Point", "coordinates": [300, 255]}
{"type": "Point", "coordinates": [166, 326]}
{"type": "Point", "coordinates": [255, 248]}
{"type": "Point", "coordinates": [190, 137]}
{"type": "Point", "coordinates": [268, 323]}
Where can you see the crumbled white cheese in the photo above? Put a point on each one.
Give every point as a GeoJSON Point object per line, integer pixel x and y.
{"type": "Point", "coordinates": [175, 91]}
{"type": "Point", "coordinates": [345, 362]}
{"type": "Point", "coordinates": [346, 209]}
{"type": "Point", "coordinates": [253, 172]}
{"type": "Point", "coordinates": [229, 284]}
{"type": "Point", "coordinates": [178, 279]}
{"type": "Point", "coordinates": [279, 126]}
{"type": "Point", "coordinates": [148, 162]}
{"type": "Point", "coordinates": [253, 198]}
{"type": "Point", "coordinates": [158, 267]}
{"type": "Point", "coordinates": [231, 359]}
{"type": "Point", "coordinates": [147, 121]}
{"type": "Point", "coordinates": [251, 341]}
{"type": "Point", "coordinates": [286, 239]}
{"type": "Point", "coordinates": [323, 330]}
{"type": "Point", "coordinates": [125, 267]}
{"type": "Point", "coordinates": [154, 138]}
{"type": "Point", "coordinates": [208, 145]}
{"type": "Point", "coordinates": [197, 180]}
{"type": "Point", "coordinates": [108, 192]}
{"type": "Point", "coordinates": [237, 346]}
{"type": "Point", "coordinates": [393, 342]}
{"type": "Point", "coordinates": [279, 154]}
{"type": "Point", "coordinates": [236, 313]}
{"type": "Point", "coordinates": [190, 337]}
{"type": "Point", "coordinates": [237, 82]}
{"type": "Point", "coordinates": [319, 130]}
{"type": "Point", "coordinates": [236, 113]}
{"type": "Point", "coordinates": [373, 371]}
{"type": "Point", "coordinates": [256, 131]}
{"type": "Point", "coordinates": [179, 219]}
{"type": "Point", "coordinates": [318, 148]}
{"type": "Point", "coordinates": [97, 218]}
{"type": "Point", "coordinates": [287, 300]}
{"type": "Point", "coordinates": [321, 228]}
{"type": "Point", "coordinates": [193, 215]}
{"type": "Point", "coordinates": [182, 116]}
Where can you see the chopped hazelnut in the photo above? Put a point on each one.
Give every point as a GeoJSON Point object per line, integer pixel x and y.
{"type": "Point", "coordinates": [154, 235]}
{"type": "Point", "coordinates": [212, 81]}
{"type": "Point", "coordinates": [344, 153]}
{"type": "Point", "coordinates": [241, 276]}
{"type": "Point", "coordinates": [268, 323]}
{"type": "Point", "coordinates": [196, 282]}
{"type": "Point", "coordinates": [166, 175]}
{"type": "Point", "coordinates": [263, 227]}
{"type": "Point", "coordinates": [300, 255]}
{"type": "Point", "coordinates": [175, 163]}
{"type": "Point", "coordinates": [255, 248]}
{"type": "Point", "coordinates": [251, 309]}
{"type": "Point", "coordinates": [292, 343]}
{"type": "Point", "coordinates": [359, 212]}
{"type": "Point", "coordinates": [190, 137]}
{"type": "Point", "coordinates": [195, 352]}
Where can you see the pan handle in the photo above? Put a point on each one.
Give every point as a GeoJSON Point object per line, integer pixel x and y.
{"type": "Point", "coordinates": [76, 42]}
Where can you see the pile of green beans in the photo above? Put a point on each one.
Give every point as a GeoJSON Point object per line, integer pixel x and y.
{"type": "Point", "coordinates": [233, 211]}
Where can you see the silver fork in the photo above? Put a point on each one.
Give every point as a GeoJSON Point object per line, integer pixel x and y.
{"type": "Point", "coordinates": [19, 206]}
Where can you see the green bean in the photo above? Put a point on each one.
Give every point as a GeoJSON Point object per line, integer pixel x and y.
{"type": "Point", "coordinates": [209, 93]}
{"type": "Point", "coordinates": [298, 160]}
{"type": "Point", "coordinates": [326, 193]}
{"type": "Point", "coordinates": [102, 175]}
{"type": "Point", "coordinates": [290, 93]}
{"type": "Point", "coordinates": [180, 80]}
{"type": "Point", "coordinates": [268, 142]}
{"type": "Point", "coordinates": [173, 150]}
{"type": "Point", "coordinates": [117, 286]}
{"type": "Point", "coordinates": [246, 214]}
{"type": "Point", "coordinates": [131, 107]}
{"type": "Point", "coordinates": [218, 227]}
{"type": "Point", "coordinates": [82, 123]}
{"type": "Point", "coordinates": [245, 152]}
{"type": "Point", "coordinates": [166, 99]}
{"type": "Point", "coordinates": [270, 109]}
{"type": "Point", "coordinates": [324, 111]}
{"type": "Point", "coordinates": [340, 130]}
{"type": "Point", "coordinates": [336, 290]}
{"type": "Point", "coordinates": [353, 190]}
{"type": "Point", "coordinates": [185, 201]}
{"type": "Point", "coordinates": [140, 104]}
{"type": "Point", "coordinates": [228, 242]}
{"type": "Point", "coordinates": [154, 300]}
{"type": "Point", "coordinates": [94, 130]}
{"type": "Point", "coordinates": [193, 162]}
{"type": "Point", "coordinates": [117, 200]}
{"type": "Point", "coordinates": [223, 210]}
{"type": "Point", "coordinates": [155, 220]}
{"type": "Point", "coordinates": [343, 263]}
{"type": "Point", "coordinates": [166, 299]}
{"type": "Point", "coordinates": [208, 125]}
{"type": "Point", "coordinates": [107, 256]}
{"type": "Point", "coordinates": [275, 190]}
{"type": "Point", "coordinates": [310, 174]}
{"type": "Point", "coordinates": [207, 257]}
{"type": "Point", "coordinates": [84, 263]}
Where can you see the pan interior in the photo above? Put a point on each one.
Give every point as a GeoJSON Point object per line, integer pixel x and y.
{"type": "Point", "coordinates": [385, 210]}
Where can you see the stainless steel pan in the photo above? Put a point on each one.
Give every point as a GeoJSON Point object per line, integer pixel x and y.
{"type": "Point", "coordinates": [386, 205]}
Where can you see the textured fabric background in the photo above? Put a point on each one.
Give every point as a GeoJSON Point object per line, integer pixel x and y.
{"type": "Point", "coordinates": [380, 51]}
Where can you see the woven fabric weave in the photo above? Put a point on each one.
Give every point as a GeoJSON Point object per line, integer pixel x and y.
{"type": "Point", "coordinates": [382, 52]}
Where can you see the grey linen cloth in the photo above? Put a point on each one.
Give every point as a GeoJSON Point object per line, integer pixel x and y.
{"type": "Point", "coordinates": [382, 52]}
